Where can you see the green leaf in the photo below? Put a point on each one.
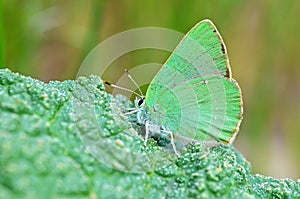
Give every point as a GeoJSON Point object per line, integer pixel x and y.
{"type": "Point", "coordinates": [43, 155]}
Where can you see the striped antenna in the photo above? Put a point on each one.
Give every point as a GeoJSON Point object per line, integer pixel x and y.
{"type": "Point", "coordinates": [121, 88]}
{"type": "Point", "coordinates": [129, 76]}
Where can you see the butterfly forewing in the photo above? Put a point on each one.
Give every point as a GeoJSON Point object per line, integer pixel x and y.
{"type": "Point", "coordinates": [193, 94]}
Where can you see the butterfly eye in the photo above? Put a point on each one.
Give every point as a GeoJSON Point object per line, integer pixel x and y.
{"type": "Point", "coordinates": [141, 101]}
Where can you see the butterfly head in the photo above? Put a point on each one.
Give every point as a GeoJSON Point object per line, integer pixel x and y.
{"type": "Point", "coordinates": [139, 102]}
{"type": "Point", "coordinates": [142, 115]}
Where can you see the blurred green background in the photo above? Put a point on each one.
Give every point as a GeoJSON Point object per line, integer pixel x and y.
{"type": "Point", "coordinates": [48, 40]}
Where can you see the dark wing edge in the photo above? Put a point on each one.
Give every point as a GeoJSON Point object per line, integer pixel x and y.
{"type": "Point", "coordinates": [223, 46]}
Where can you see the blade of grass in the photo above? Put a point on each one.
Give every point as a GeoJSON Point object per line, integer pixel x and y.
{"type": "Point", "coordinates": [2, 40]}
{"type": "Point", "coordinates": [95, 26]}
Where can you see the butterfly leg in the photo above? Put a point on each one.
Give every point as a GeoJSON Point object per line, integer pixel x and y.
{"type": "Point", "coordinates": [172, 142]}
{"type": "Point", "coordinates": [147, 132]}
{"type": "Point", "coordinates": [131, 112]}
{"type": "Point", "coordinates": [130, 109]}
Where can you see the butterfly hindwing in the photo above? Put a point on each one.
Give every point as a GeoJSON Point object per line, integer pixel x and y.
{"type": "Point", "coordinates": [193, 94]}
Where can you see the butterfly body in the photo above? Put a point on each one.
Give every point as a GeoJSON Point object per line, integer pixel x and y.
{"type": "Point", "coordinates": [144, 118]}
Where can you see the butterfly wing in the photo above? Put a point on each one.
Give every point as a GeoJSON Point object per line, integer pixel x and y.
{"type": "Point", "coordinates": [193, 94]}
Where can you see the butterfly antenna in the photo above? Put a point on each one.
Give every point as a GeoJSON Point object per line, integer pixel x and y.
{"type": "Point", "coordinates": [121, 88]}
{"type": "Point", "coordinates": [129, 76]}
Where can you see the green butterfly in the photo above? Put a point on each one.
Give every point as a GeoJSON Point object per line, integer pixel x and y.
{"type": "Point", "coordinates": [193, 96]}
